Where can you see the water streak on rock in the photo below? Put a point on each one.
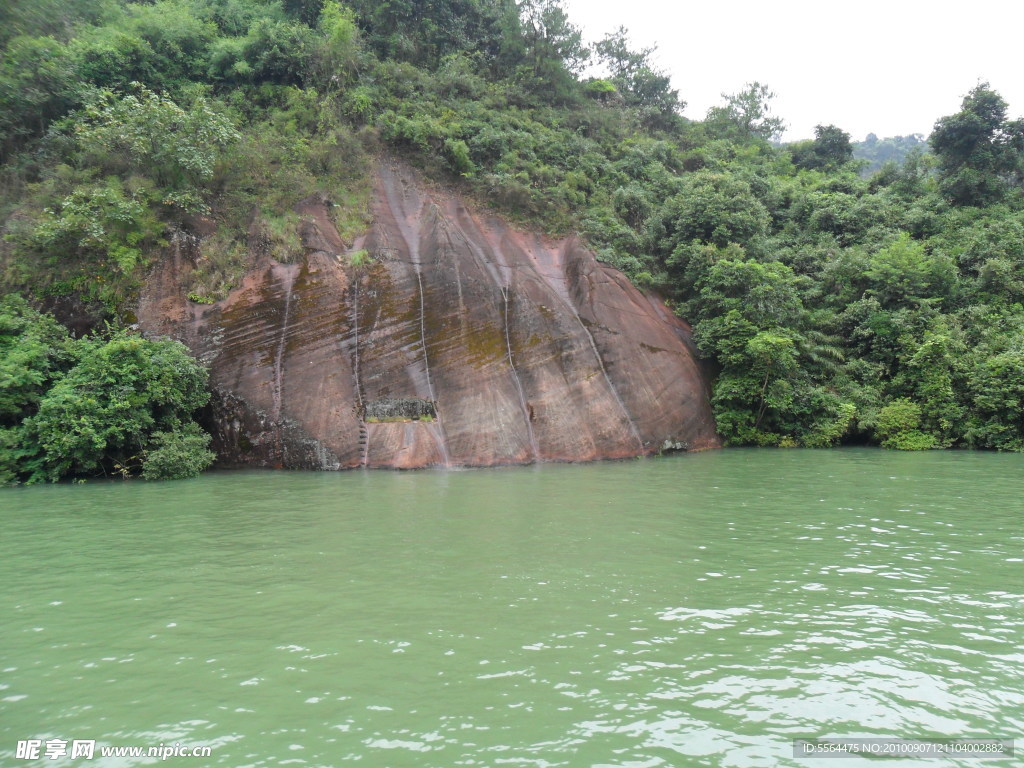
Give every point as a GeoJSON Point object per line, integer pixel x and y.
{"type": "Point", "coordinates": [534, 448]}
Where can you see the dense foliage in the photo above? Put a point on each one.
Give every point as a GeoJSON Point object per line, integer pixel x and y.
{"type": "Point", "coordinates": [117, 404]}
{"type": "Point", "coordinates": [839, 301]}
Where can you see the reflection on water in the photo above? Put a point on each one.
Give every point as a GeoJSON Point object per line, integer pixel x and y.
{"type": "Point", "coordinates": [700, 610]}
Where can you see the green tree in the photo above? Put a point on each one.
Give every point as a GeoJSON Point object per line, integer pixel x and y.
{"type": "Point", "coordinates": [99, 222]}
{"type": "Point", "coordinates": [339, 48]}
{"type": "Point", "coordinates": [897, 426]}
{"type": "Point", "coordinates": [35, 350]}
{"type": "Point", "coordinates": [101, 417]}
{"type": "Point", "coordinates": [904, 270]}
{"type": "Point", "coordinates": [746, 315]}
{"type": "Point", "coordinates": [53, 18]}
{"type": "Point", "coordinates": [112, 57]}
{"type": "Point", "coordinates": [307, 11]}
{"type": "Point", "coordinates": [121, 405]}
{"type": "Point", "coordinates": [997, 401]}
{"type": "Point", "coordinates": [830, 150]}
{"type": "Point", "coordinates": [549, 50]}
{"type": "Point", "coordinates": [37, 85]}
{"type": "Point", "coordinates": [178, 454]}
{"type": "Point", "coordinates": [425, 33]}
{"type": "Point", "coordinates": [635, 77]}
{"type": "Point", "coordinates": [177, 41]}
{"type": "Point", "coordinates": [832, 146]}
{"type": "Point", "coordinates": [978, 149]}
{"type": "Point", "coordinates": [279, 52]}
{"type": "Point", "coordinates": [747, 114]}
{"type": "Point", "coordinates": [714, 208]}
{"type": "Point", "coordinates": [932, 374]}
{"type": "Point", "coordinates": [150, 135]}
{"type": "Point", "coordinates": [766, 295]}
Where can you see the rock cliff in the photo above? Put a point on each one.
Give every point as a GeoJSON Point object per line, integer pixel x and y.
{"type": "Point", "coordinates": [463, 341]}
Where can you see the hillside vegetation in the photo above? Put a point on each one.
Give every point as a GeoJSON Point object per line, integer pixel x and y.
{"type": "Point", "coordinates": [836, 308]}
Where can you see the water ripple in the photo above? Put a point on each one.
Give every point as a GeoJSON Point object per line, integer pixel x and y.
{"type": "Point", "coordinates": [704, 611]}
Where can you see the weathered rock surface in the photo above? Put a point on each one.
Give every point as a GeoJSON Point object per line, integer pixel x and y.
{"type": "Point", "coordinates": [528, 348]}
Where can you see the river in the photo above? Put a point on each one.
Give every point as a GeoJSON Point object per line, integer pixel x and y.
{"type": "Point", "coordinates": [697, 610]}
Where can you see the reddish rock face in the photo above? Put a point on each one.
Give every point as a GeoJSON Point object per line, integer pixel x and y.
{"type": "Point", "coordinates": [510, 348]}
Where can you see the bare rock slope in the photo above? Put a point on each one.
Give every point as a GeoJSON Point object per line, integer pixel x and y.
{"type": "Point", "coordinates": [464, 341]}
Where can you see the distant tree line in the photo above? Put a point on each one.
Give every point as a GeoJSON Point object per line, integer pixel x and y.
{"type": "Point", "coordinates": [876, 153]}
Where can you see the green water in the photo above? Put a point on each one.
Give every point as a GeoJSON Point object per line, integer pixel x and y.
{"type": "Point", "coordinates": [700, 610]}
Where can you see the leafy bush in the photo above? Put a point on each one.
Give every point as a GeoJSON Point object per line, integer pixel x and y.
{"type": "Point", "coordinates": [94, 406]}
{"type": "Point", "coordinates": [151, 135]}
{"type": "Point", "coordinates": [106, 407]}
{"type": "Point", "coordinates": [897, 426]}
{"type": "Point", "coordinates": [178, 454]}
{"type": "Point", "coordinates": [35, 350]}
{"type": "Point", "coordinates": [997, 399]}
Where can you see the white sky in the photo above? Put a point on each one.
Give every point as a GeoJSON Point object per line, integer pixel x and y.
{"type": "Point", "coordinates": [888, 67]}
